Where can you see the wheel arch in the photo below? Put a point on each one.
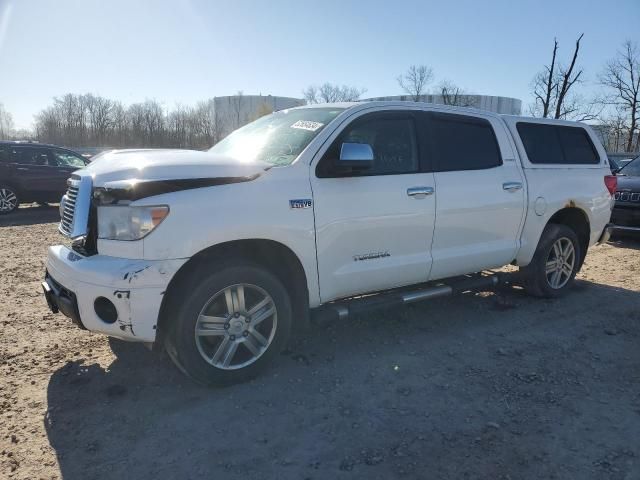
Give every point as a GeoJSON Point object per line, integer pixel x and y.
{"type": "Point", "coordinates": [275, 256]}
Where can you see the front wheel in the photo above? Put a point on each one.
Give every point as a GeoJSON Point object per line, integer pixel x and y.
{"type": "Point", "coordinates": [229, 323]}
{"type": "Point", "coordinates": [555, 263]}
{"type": "Point", "coordinates": [8, 199]}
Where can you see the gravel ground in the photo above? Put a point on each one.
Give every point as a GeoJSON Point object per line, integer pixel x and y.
{"type": "Point", "coordinates": [498, 386]}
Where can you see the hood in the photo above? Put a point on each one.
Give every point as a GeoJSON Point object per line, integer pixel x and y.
{"type": "Point", "coordinates": [152, 165]}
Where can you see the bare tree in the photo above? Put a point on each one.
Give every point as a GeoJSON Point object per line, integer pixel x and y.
{"type": "Point", "coordinates": [119, 134]}
{"type": "Point", "coordinates": [613, 129]}
{"type": "Point", "coordinates": [6, 123]}
{"type": "Point", "coordinates": [330, 93]}
{"type": "Point", "coordinates": [453, 95]}
{"type": "Point", "coordinates": [310, 94]}
{"type": "Point", "coordinates": [568, 78]}
{"type": "Point", "coordinates": [553, 89]}
{"type": "Point", "coordinates": [622, 77]}
{"type": "Point", "coordinates": [415, 80]}
{"type": "Point", "coordinates": [100, 112]}
{"type": "Point", "coordinates": [545, 84]}
{"type": "Point", "coordinates": [79, 120]}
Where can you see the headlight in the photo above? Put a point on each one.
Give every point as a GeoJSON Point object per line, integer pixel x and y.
{"type": "Point", "coordinates": [129, 223]}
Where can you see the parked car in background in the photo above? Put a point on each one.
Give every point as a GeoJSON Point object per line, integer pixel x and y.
{"type": "Point", "coordinates": [619, 160]}
{"type": "Point", "coordinates": [217, 255]}
{"type": "Point", "coordinates": [34, 172]}
{"type": "Point", "coordinates": [626, 211]}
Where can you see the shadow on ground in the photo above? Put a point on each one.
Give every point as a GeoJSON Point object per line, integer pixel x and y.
{"type": "Point", "coordinates": [31, 215]}
{"type": "Point", "coordinates": [628, 240]}
{"type": "Point", "coordinates": [480, 386]}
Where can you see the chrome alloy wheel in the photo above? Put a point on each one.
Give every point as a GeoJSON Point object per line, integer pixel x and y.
{"type": "Point", "coordinates": [236, 326]}
{"type": "Point", "coordinates": [560, 263]}
{"type": "Point", "coordinates": [8, 200]}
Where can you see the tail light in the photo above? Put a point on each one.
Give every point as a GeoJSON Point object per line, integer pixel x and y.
{"type": "Point", "coordinates": [611, 181]}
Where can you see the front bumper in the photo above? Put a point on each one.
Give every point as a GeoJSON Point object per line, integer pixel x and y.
{"type": "Point", "coordinates": [136, 287]}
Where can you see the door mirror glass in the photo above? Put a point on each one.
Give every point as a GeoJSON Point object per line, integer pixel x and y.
{"type": "Point", "coordinates": [356, 155]}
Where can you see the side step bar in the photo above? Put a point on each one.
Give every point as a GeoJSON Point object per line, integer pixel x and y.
{"type": "Point", "coordinates": [344, 308]}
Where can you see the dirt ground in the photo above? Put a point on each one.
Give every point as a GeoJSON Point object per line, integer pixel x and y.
{"type": "Point", "coordinates": [498, 386]}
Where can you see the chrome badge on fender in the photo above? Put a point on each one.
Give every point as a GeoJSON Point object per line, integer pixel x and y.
{"type": "Point", "coordinates": [301, 203]}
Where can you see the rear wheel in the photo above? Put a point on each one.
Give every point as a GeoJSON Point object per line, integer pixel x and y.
{"type": "Point", "coordinates": [8, 199]}
{"type": "Point", "coordinates": [555, 263]}
{"type": "Point", "coordinates": [229, 324]}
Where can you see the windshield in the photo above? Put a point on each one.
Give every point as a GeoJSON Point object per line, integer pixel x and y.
{"type": "Point", "coordinates": [632, 168]}
{"type": "Point", "coordinates": [277, 138]}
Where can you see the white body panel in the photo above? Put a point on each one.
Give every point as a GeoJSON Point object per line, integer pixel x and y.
{"type": "Point", "coordinates": [478, 222]}
{"type": "Point", "coordinates": [469, 224]}
{"type": "Point", "coordinates": [365, 215]}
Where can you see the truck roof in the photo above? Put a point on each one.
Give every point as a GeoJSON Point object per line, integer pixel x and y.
{"type": "Point", "coordinates": [436, 107]}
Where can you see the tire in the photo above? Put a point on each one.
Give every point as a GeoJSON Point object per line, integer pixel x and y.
{"type": "Point", "coordinates": [226, 305]}
{"type": "Point", "coordinates": [544, 279]}
{"type": "Point", "coordinates": [9, 200]}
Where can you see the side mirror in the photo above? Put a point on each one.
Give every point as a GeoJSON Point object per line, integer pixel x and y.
{"type": "Point", "coordinates": [356, 156]}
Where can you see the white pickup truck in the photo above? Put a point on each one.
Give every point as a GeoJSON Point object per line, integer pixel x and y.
{"type": "Point", "coordinates": [217, 255]}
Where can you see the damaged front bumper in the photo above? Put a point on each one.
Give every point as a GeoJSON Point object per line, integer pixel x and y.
{"type": "Point", "coordinates": [77, 286]}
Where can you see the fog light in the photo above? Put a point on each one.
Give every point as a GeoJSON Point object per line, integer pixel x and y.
{"type": "Point", "coordinates": [105, 309]}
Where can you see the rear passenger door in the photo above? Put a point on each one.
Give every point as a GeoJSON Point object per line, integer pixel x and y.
{"type": "Point", "coordinates": [34, 170]}
{"type": "Point", "coordinates": [480, 194]}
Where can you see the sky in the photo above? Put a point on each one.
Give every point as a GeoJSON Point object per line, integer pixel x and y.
{"type": "Point", "coordinates": [183, 51]}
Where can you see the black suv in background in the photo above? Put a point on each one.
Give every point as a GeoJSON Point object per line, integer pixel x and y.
{"type": "Point", "coordinates": [34, 172]}
{"type": "Point", "coordinates": [626, 211]}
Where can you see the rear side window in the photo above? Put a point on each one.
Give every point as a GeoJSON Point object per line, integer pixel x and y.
{"type": "Point", "coordinates": [34, 156]}
{"type": "Point", "coordinates": [557, 144]}
{"type": "Point", "coordinates": [463, 143]}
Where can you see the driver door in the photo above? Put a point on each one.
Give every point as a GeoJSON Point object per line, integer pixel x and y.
{"type": "Point", "coordinates": [374, 227]}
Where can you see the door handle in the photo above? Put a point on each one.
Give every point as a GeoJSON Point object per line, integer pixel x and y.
{"type": "Point", "coordinates": [511, 186]}
{"type": "Point", "coordinates": [420, 192]}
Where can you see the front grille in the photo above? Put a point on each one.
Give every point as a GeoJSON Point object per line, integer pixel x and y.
{"type": "Point", "coordinates": [69, 207]}
{"type": "Point", "coordinates": [75, 206]}
{"type": "Point", "coordinates": [626, 196]}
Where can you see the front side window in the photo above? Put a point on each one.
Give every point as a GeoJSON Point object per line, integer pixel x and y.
{"type": "Point", "coordinates": [461, 142]}
{"type": "Point", "coordinates": [278, 138]}
{"type": "Point", "coordinates": [557, 144]}
{"type": "Point", "coordinates": [391, 137]}
{"type": "Point", "coordinates": [66, 159]}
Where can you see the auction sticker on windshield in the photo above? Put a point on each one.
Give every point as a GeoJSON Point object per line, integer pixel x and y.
{"type": "Point", "coordinates": [307, 125]}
